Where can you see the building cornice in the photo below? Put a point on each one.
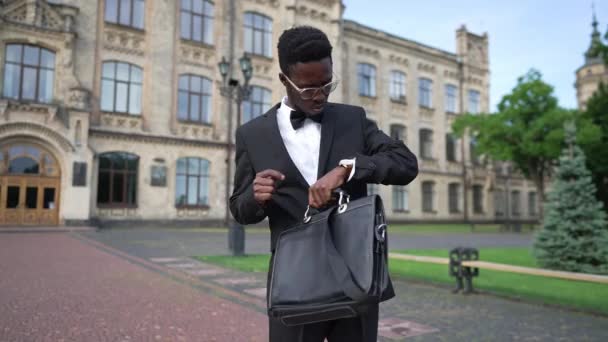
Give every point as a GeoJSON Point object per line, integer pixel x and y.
{"type": "Point", "coordinates": [155, 139]}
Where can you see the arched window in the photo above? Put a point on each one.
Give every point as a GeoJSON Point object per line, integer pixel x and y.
{"type": "Point", "coordinates": [125, 12]}
{"type": "Point", "coordinates": [117, 179]}
{"type": "Point", "coordinates": [257, 34]}
{"type": "Point", "coordinates": [258, 103]}
{"type": "Point", "coordinates": [197, 20]}
{"type": "Point", "coordinates": [121, 85]}
{"type": "Point", "coordinates": [29, 73]}
{"type": "Point", "coordinates": [194, 99]}
{"type": "Point", "coordinates": [367, 79]}
{"type": "Point", "coordinates": [192, 182]}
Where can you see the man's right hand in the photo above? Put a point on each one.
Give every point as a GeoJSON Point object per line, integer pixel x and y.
{"type": "Point", "coordinates": [264, 185]}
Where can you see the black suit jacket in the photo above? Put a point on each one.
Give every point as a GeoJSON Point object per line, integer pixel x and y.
{"type": "Point", "coordinates": [346, 133]}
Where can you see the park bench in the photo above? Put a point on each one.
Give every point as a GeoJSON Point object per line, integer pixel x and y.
{"type": "Point", "coordinates": [464, 265]}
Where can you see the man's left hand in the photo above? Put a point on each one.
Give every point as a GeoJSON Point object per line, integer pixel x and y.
{"type": "Point", "coordinates": [319, 194]}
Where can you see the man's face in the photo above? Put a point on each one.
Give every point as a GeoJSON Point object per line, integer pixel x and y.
{"type": "Point", "coordinates": [308, 75]}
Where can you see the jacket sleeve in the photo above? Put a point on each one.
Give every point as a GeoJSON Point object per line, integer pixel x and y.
{"type": "Point", "coordinates": [243, 206]}
{"type": "Point", "coordinates": [386, 160]}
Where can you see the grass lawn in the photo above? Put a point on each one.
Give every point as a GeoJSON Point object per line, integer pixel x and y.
{"type": "Point", "coordinates": [580, 295]}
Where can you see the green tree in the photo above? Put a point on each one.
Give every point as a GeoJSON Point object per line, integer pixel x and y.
{"type": "Point", "coordinates": [527, 130]}
{"type": "Point", "coordinates": [574, 236]}
{"type": "Point", "coordinates": [593, 139]}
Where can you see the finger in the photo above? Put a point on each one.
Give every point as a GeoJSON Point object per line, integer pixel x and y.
{"type": "Point", "coordinates": [311, 200]}
{"type": "Point", "coordinates": [263, 181]}
{"type": "Point", "coordinates": [325, 195]}
{"type": "Point", "coordinates": [261, 189]}
{"type": "Point", "coordinates": [269, 173]}
{"type": "Point", "coordinates": [263, 197]}
{"type": "Point", "coordinates": [316, 196]}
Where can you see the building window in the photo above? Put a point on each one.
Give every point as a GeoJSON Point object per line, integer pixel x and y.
{"type": "Point", "coordinates": [197, 21]}
{"type": "Point", "coordinates": [499, 203]}
{"type": "Point", "coordinates": [372, 189]}
{"type": "Point", "coordinates": [397, 86]}
{"type": "Point", "coordinates": [450, 98]}
{"type": "Point", "coordinates": [515, 203]}
{"type": "Point", "coordinates": [400, 198]}
{"type": "Point", "coordinates": [194, 99]}
{"type": "Point", "coordinates": [29, 73]}
{"type": "Point", "coordinates": [259, 103]}
{"type": "Point", "coordinates": [192, 182]}
{"type": "Point", "coordinates": [117, 184]}
{"type": "Point", "coordinates": [126, 12]}
{"type": "Point", "coordinates": [428, 197]}
{"type": "Point", "coordinates": [258, 34]}
{"type": "Point", "coordinates": [121, 85]}
{"type": "Point", "coordinates": [398, 132]}
{"type": "Point", "coordinates": [478, 199]}
{"type": "Point", "coordinates": [532, 203]}
{"type": "Point", "coordinates": [473, 102]}
{"type": "Point", "coordinates": [425, 92]}
{"type": "Point", "coordinates": [454, 197]}
{"type": "Point", "coordinates": [473, 151]}
{"type": "Point", "coordinates": [426, 143]}
{"type": "Point", "coordinates": [450, 147]}
{"type": "Point", "coordinates": [367, 79]}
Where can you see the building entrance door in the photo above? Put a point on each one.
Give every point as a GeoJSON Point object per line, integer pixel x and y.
{"type": "Point", "coordinates": [29, 187]}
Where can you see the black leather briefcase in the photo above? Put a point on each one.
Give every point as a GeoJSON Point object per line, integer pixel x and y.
{"type": "Point", "coordinates": [331, 266]}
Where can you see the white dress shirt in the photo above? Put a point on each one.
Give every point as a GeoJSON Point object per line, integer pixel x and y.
{"type": "Point", "coordinates": [303, 144]}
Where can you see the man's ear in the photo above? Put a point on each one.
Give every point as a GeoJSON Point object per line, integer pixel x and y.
{"type": "Point", "coordinates": [282, 79]}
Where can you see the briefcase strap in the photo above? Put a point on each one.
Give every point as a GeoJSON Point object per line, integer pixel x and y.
{"type": "Point", "coordinates": [341, 271]}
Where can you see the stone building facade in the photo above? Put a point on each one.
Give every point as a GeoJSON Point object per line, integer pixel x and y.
{"type": "Point", "coordinates": [111, 111]}
{"type": "Point", "coordinates": [592, 73]}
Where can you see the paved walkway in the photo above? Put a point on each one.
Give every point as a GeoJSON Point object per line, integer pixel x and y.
{"type": "Point", "coordinates": [55, 287]}
{"type": "Point", "coordinates": [77, 287]}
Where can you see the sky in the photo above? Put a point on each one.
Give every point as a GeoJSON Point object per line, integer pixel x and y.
{"type": "Point", "coordinates": [548, 35]}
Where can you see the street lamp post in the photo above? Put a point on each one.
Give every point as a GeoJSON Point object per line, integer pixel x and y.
{"type": "Point", "coordinates": [234, 91]}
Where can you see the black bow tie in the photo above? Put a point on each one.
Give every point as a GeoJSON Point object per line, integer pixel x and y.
{"type": "Point", "coordinates": [297, 118]}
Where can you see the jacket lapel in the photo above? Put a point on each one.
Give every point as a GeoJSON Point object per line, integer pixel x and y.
{"type": "Point", "coordinates": [327, 137]}
{"type": "Point", "coordinates": [279, 151]}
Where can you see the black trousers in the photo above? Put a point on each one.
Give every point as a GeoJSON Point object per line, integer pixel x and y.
{"type": "Point", "coordinates": [358, 329]}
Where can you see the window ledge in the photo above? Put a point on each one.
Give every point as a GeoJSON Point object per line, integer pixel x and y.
{"type": "Point", "coordinates": [193, 207]}
{"type": "Point", "coordinates": [433, 212]}
{"type": "Point", "coordinates": [196, 123]}
{"type": "Point", "coordinates": [401, 211]}
{"type": "Point", "coordinates": [259, 57]}
{"type": "Point", "coordinates": [371, 97]}
{"type": "Point", "coordinates": [125, 27]}
{"type": "Point", "coordinates": [122, 114]}
{"type": "Point", "coordinates": [399, 101]}
{"type": "Point", "coordinates": [451, 113]}
{"type": "Point", "coordinates": [196, 43]}
{"type": "Point", "coordinates": [426, 108]}
{"type": "Point", "coordinates": [456, 212]}
{"type": "Point", "coordinates": [117, 206]}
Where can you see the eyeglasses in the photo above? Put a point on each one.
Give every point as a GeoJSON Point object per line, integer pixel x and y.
{"type": "Point", "coordinates": [310, 93]}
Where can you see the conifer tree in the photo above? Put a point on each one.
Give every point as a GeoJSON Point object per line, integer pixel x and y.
{"type": "Point", "coordinates": [574, 236]}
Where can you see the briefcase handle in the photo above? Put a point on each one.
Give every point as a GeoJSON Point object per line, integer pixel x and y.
{"type": "Point", "coordinates": [343, 198]}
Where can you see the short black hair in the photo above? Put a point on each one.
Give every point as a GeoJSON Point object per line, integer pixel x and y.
{"type": "Point", "coordinates": [302, 44]}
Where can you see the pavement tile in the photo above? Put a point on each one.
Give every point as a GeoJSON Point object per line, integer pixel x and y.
{"type": "Point", "coordinates": [395, 328]}
{"type": "Point", "coordinates": [258, 292]}
{"type": "Point", "coordinates": [236, 281]}
{"type": "Point", "coordinates": [166, 260]}
{"type": "Point", "coordinates": [205, 271]}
